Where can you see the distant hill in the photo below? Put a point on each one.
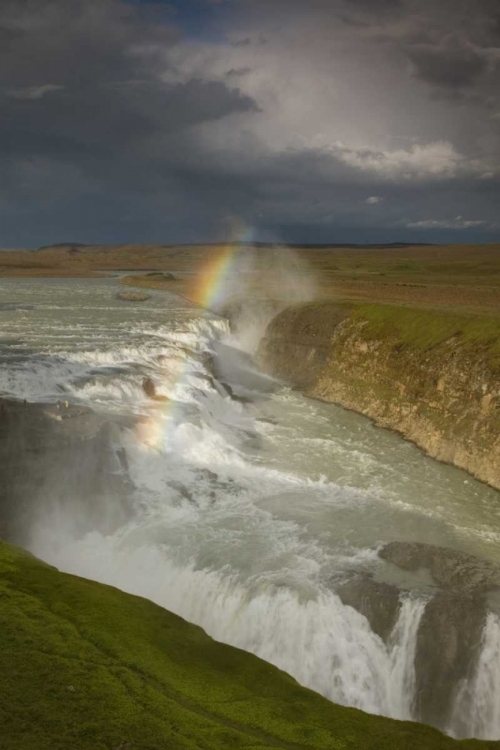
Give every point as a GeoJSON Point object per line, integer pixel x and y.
{"type": "Point", "coordinates": [312, 246]}
{"type": "Point", "coordinates": [62, 246]}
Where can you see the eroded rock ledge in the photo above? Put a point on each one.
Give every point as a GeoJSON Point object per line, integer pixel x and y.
{"type": "Point", "coordinates": [62, 454]}
{"type": "Point", "coordinates": [431, 376]}
{"type": "Point", "coordinates": [450, 633]}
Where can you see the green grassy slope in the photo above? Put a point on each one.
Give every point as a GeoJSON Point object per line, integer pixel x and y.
{"type": "Point", "coordinates": [86, 666]}
{"type": "Point", "coordinates": [428, 328]}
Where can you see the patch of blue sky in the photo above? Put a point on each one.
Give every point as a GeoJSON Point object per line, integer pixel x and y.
{"type": "Point", "coordinates": [198, 19]}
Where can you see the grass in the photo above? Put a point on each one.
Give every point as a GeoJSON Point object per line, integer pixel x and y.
{"type": "Point", "coordinates": [87, 667]}
{"type": "Point", "coordinates": [425, 329]}
{"type": "Point", "coordinates": [462, 278]}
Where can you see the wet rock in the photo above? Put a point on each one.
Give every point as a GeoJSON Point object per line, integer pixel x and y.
{"type": "Point", "coordinates": [448, 568]}
{"type": "Point", "coordinates": [227, 388]}
{"type": "Point", "coordinates": [121, 455]}
{"type": "Point", "coordinates": [205, 378]}
{"type": "Point", "coordinates": [267, 420]}
{"type": "Point", "coordinates": [238, 368]}
{"type": "Point", "coordinates": [448, 646]}
{"type": "Point", "coordinates": [233, 396]}
{"type": "Point", "coordinates": [59, 455]}
{"type": "Point", "coordinates": [133, 296]}
{"type": "Point", "coordinates": [242, 399]}
{"type": "Point", "coordinates": [208, 475]}
{"type": "Point", "coordinates": [149, 387]}
{"type": "Point", "coordinates": [450, 631]}
{"type": "Point", "coordinates": [378, 602]}
{"type": "Point", "coordinates": [161, 275]}
{"type": "Point", "coordinates": [181, 489]}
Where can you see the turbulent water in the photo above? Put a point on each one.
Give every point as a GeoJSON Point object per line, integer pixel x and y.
{"type": "Point", "coordinates": [250, 512]}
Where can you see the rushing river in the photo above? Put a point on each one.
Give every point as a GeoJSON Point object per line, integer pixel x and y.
{"type": "Point", "coordinates": [251, 512]}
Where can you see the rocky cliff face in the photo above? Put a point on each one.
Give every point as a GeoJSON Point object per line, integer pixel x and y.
{"type": "Point", "coordinates": [442, 391]}
{"type": "Point", "coordinates": [59, 455]}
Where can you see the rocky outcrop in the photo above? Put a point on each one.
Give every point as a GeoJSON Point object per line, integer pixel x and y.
{"type": "Point", "coordinates": [379, 602]}
{"type": "Point", "coordinates": [451, 629]}
{"type": "Point", "coordinates": [450, 632]}
{"type": "Point", "coordinates": [297, 344]}
{"type": "Point", "coordinates": [59, 454]}
{"type": "Point", "coordinates": [448, 645]}
{"type": "Point", "coordinates": [164, 275]}
{"type": "Point", "coordinates": [448, 568]}
{"type": "Point", "coordinates": [440, 390]}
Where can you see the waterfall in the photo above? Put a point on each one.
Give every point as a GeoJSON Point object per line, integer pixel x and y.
{"type": "Point", "coordinates": [477, 707]}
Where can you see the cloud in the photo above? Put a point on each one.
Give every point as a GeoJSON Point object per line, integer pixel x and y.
{"type": "Point", "coordinates": [433, 160]}
{"type": "Point", "coordinates": [458, 223]}
{"type": "Point", "coordinates": [111, 96]}
{"type": "Point", "coordinates": [118, 125]}
{"type": "Point", "coordinates": [452, 67]}
{"type": "Point", "coordinates": [35, 92]}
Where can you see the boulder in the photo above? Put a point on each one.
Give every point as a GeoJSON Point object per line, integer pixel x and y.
{"type": "Point", "coordinates": [133, 296]}
{"type": "Point", "coordinates": [163, 275]}
{"type": "Point", "coordinates": [149, 389]}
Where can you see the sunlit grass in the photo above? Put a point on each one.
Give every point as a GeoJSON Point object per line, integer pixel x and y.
{"type": "Point", "coordinates": [427, 328]}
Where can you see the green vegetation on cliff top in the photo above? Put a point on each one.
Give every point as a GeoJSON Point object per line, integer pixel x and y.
{"type": "Point", "coordinates": [88, 667]}
{"type": "Point", "coordinates": [427, 328]}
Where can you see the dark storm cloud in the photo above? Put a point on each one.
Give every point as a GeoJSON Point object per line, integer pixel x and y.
{"type": "Point", "coordinates": [79, 81]}
{"type": "Point", "coordinates": [454, 67]}
{"type": "Point", "coordinates": [116, 127]}
{"type": "Point", "coordinates": [108, 116]}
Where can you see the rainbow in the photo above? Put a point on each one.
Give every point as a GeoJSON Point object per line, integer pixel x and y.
{"type": "Point", "coordinates": [210, 288]}
{"type": "Point", "coordinates": [150, 429]}
{"type": "Point", "coordinates": [211, 283]}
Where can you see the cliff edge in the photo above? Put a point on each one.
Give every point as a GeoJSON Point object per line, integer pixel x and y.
{"type": "Point", "coordinates": [88, 667]}
{"type": "Point", "coordinates": [432, 376]}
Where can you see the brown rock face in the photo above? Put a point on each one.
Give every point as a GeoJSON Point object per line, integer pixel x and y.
{"type": "Point", "coordinates": [445, 398]}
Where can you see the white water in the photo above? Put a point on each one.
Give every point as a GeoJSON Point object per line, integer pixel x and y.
{"type": "Point", "coordinates": [248, 515]}
{"type": "Point", "coordinates": [482, 690]}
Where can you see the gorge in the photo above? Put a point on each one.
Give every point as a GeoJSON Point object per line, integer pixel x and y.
{"type": "Point", "coordinates": [285, 526]}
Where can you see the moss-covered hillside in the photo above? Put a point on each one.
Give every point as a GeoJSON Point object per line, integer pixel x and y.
{"type": "Point", "coordinates": [87, 666]}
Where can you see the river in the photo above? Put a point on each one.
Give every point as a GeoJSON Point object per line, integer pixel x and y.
{"type": "Point", "coordinates": [254, 506]}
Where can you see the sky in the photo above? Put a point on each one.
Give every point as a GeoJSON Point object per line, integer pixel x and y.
{"type": "Point", "coordinates": [305, 121]}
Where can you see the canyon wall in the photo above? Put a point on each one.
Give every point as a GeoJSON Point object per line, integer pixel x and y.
{"type": "Point", "coordinates": [433, 377]}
